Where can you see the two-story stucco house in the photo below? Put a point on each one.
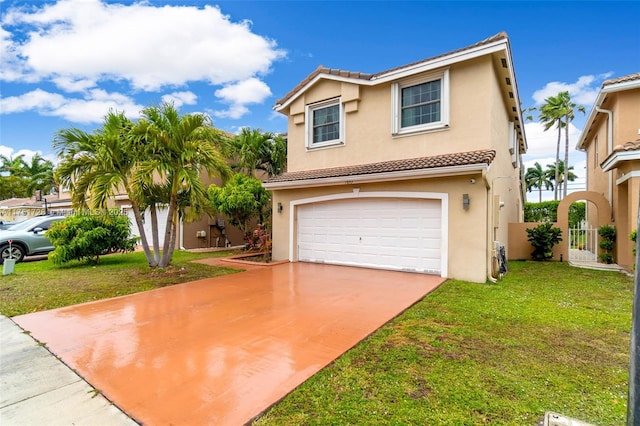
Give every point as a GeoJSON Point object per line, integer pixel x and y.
{"type": "Point", "coordinates": [611, 140]}
{"type": "Point", "coordinates": [416, 168]}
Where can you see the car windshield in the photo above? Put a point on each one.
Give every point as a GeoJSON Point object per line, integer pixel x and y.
{"type": "Point", "coordinates": [25, 224]}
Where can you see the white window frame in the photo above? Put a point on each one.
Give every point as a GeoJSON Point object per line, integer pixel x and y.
{"type": "Point", "coordinates": [309, 124]}
{"type": "Point", "coordinates": [396, 103]}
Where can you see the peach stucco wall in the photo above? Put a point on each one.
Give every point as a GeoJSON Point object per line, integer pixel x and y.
{"type": "Point", "coordinates": [467, 234]}
{"type": "Point", "coordinates": [479, 119]}
{"type": "Point", "coordinates": [519, 246]}
{"type": "Point", "coordinates": [368, 137]}
{"type": "Point", "coordinates": [623, 195]}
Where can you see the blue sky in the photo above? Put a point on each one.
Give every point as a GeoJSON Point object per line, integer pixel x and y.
{"type": "Point", "coordinates": [65, 63]}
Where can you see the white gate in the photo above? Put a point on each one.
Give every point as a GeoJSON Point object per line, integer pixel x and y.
{"type": "Point", "coordinates": [583, 244]}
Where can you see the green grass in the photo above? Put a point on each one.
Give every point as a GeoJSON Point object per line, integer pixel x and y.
{"type": "Point", "coordinates": [549, 337]}
{"type": "Point", "coordinates": [41, 285]}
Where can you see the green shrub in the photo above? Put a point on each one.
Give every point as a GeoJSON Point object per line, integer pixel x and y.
{"type": "Point", "coordinates": [633, 237]}
{"type": "Point", "coordinates": [241, 199]}
{"type": "Point", "coordinates": [543, 237]}
{"type": "Point", "coordinates": [88, 236]}
{"type": "Point", "coordinates": [608, 235]}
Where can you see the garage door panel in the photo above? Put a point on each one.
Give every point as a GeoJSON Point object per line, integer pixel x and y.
{"type": "Point", "coordinates": [402, 234]}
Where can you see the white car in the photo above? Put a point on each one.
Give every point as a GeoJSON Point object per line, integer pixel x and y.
{"type": "Point", "coordinates": [27, 238]}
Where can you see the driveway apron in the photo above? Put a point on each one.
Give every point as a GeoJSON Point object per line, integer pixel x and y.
{"type": "Point", "coordinates": [222, 350]}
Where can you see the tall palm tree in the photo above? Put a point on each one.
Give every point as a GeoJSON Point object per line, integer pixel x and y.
{"type": "Point", "coordinates": [550, 114]}
{"type": "Point", "coordinates": [177, 149]}
{"type": "Point", "coordinates": [568, 108]}
{"type": "Point", "coordinates": [96, 166]}
{"type": "Point", "coordinates": [538, 178]}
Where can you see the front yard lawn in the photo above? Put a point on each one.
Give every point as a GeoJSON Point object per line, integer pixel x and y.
{"type": "Point", "coordinates": [549, 337]}
{"type": "Point", "coordinates": [40, 285]}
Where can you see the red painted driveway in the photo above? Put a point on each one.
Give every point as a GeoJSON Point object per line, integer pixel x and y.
{"type": "Point", "coordinates": [222, 350]}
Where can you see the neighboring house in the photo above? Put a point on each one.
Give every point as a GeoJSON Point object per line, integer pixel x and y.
{"type": "Point", "coordinates": [611, 140]}
{"type": "Point", "coordinates": [208, 232]}
{"type": "Point", "coordinates": [417, 168]}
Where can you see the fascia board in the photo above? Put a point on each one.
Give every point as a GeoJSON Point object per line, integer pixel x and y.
{"type": "Point", "coordinates": [441, 62]}
{"type": "Point", "coordinates": [618, 157]}
{"type": "Point", "coordinates": [516, 95]}
{"type": "Point", "coordinates": [379, 177]}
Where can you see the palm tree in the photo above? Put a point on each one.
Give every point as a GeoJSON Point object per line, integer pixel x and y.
{"type": "Point", "coordinates": [551, 168]}
{"type": "Point", "coordinates": [177, 149]}
{"type": "Point", "coordinates": [97, 166]}
{"type": "Point", "coordinates": [40, 174]}
{"type": "Point", "coordinates": [13, 177]}
{"type": "Point", "coordinates": [550, 115]}
{"type": "Point", "coordinates": [537, 178]}
{"type": "Point", "coordinates": [254, 150]}
{"type": "Point", "coordinates": [14, 166]}
{"type": "Point", "coordinates": [569, 108]}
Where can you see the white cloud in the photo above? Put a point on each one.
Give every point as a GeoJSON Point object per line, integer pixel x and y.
{"type": "Point", "coordinates": [90, 109]}
{"type": "Point", "coordinates": [584, 91]}
{"type": "Point", "coordinates": [28, 154]}
{"type": "Point", "coordinates": [542, 149]}
{"type": "Point", "coordinates": [79, 41]}
{"type": "Point", "coordinates": [249, 91]}
{"type": "Point", "coordinates": [543, 143]}
{"type": "Point", "coordinates": [74, 85]}
{"type": "Point", "coordinates": [180, 98]}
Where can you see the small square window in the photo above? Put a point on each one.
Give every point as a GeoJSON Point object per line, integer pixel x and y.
{"type": "Point", "coordinates": [325, 124]}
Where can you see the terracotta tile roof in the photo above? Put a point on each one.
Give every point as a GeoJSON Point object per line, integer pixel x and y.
{"type": "Point", "coordinates": [627, 146]}
{"type": "Point", "coordinates": [445, 160]}
{"type": "Point", "coordinates": [364, 76]}
{"type": "Point", "coordinates": [623, 79]}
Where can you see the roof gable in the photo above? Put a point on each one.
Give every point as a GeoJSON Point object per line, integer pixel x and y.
{"type": "Point", "coordinates": [489, 46]}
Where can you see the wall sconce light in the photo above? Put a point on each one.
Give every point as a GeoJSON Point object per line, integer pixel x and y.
{"type": "Point", "coordinates": [279, 207]}
{"type": "Point", "coordinates": [466, 202]}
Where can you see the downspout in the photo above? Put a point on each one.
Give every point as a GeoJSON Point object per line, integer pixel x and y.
{"type": "Point", "coordinates": [489, 227]}
{"type": "Point", "coordinates": [609, 146]}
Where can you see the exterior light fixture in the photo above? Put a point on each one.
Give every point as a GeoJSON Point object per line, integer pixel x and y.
{"type": "Point", "coordinates": [279, 207]}
{"type": "Point", "coordinates": [466, 202]}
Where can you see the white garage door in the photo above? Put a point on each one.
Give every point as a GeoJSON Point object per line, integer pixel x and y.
{"type": "Point", "coordinates": [162, 224]}
{"type": "Point", "coordinates": [387, 233]}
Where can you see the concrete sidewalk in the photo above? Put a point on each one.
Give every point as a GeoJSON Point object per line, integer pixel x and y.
{"type": "Point", "coordinates": [37, 388]}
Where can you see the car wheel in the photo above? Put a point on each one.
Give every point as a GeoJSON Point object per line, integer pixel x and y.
{"type": "Point", "coordinates": [16, 252]}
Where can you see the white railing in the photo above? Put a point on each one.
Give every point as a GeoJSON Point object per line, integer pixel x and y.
{"type": "Point", "coordinates": [583, 244]}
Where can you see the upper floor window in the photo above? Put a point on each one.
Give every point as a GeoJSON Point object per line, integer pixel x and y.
{"type": "Point", "coordinates": [325, 124]}
{"type": "Point", "coordinates": [421, 103]}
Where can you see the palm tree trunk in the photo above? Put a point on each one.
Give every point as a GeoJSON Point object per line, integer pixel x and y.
{"type": "Point", "coordinates": [143, 236]}
{"type": "Point", "coordinates": [154, 232]}
{"type": "Point", "coordinates": [556, 191]}
{"type": "Point", "coordinates": [540, 194]}
{"type": "Point", "coordinates": [169, 229]}
{"type": "Point", "coordinates": [566, 155]}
